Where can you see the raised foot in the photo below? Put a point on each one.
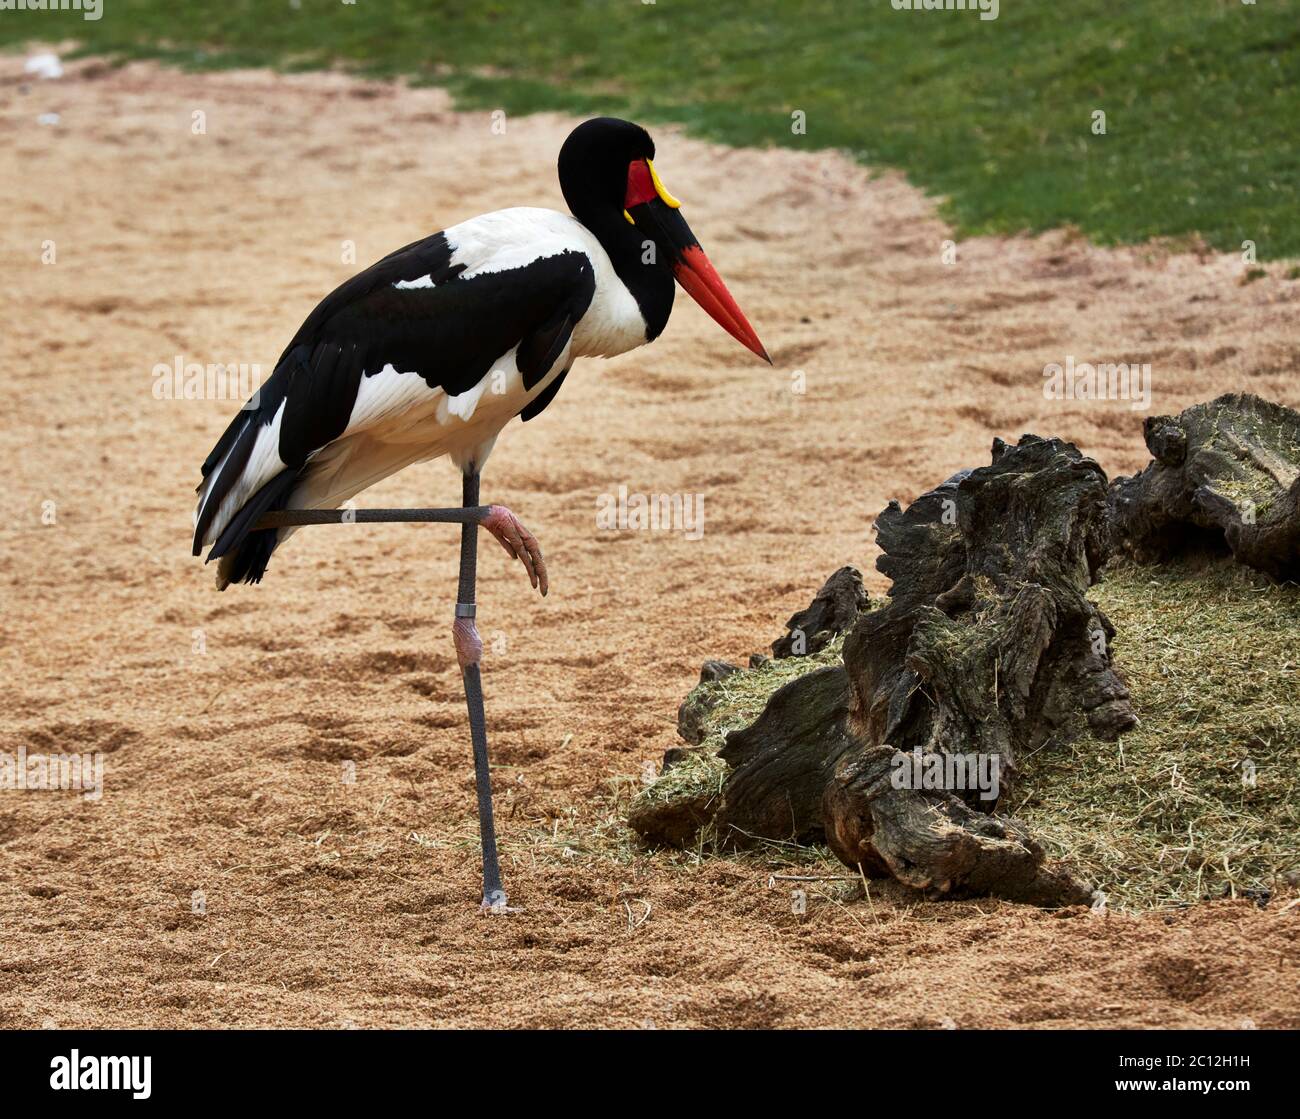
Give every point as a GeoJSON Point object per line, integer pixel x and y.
{"type": "Point", "coordinates": [518, 542]}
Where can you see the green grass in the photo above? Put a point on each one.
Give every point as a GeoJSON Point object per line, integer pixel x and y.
{"type": "Point", "coordinates": [1200, 95]}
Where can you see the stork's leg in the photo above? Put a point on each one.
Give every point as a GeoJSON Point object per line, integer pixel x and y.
{"type": "Point", "coordinates": [469, 652]}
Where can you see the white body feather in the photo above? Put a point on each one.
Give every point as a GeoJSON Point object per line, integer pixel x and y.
{"type": "Point", "coordinates": [397, 419]}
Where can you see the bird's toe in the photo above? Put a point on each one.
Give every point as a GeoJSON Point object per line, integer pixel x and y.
{"type": "Point", "coordinates": [519, 543]}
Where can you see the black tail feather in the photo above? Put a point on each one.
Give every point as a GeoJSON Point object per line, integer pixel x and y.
{"type": "Point", "coordinates": [244, 551]}
{"type": "Point", "coordinates": [238, 439]}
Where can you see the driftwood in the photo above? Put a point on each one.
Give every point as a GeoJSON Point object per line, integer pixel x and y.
{"type": "Point", "coordinates": [989, 643]}
{"type": "Point", "coordinates": [1224, 475]}
{"type": "Point", "coordinates": [988, 646]}
{"type": "Point", "coordinates": [832, 612]}
{"type": "Point", "coordinates": [772, 791]}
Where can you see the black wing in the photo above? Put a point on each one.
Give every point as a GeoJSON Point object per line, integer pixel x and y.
{"type": "Point", "coordinates": [449, 332]}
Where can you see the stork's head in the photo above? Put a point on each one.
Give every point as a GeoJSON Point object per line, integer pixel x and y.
{"type": "Point", "coordinates": [607, 173]}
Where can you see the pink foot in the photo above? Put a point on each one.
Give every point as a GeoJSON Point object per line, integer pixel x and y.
{"type": "Point", "coordinates": [518, 542]}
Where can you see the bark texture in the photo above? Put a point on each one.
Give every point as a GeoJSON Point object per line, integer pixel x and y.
{"type": "Point", "coordinates": [900, 758]}
{"type": "Point", "coordinates": [987, 647]}
{"type": "Point", "coordinates": [1223, 475]}
{"type": "Point", "coordinates": [833, 611]}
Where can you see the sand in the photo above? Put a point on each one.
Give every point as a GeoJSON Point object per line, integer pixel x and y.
{"type": "Point", "coordinates": [291, 760]}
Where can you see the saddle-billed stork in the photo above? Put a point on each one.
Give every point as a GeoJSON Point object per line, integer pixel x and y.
{"type": "Point", "coordinates": [435, 348]}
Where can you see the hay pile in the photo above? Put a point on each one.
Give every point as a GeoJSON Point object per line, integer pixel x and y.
{"type": "Point", "coordinates": [695, 778]}
{"type": "Point", "coordinates": [1171, 813]}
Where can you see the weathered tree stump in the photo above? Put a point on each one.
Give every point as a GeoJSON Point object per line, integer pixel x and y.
{"type": "Point", "coordinates": [989, 643]}
{"type": "Point", "coordinates": [833, 611]}
{"type": "Point", "coordinates": [933, 840]}
{"type": "Point", "coordinates": [986, 648]}
{"type": "Point", "coordinates": [1224, 475]}
{"type": "Point", "coordinates": [781, 763]}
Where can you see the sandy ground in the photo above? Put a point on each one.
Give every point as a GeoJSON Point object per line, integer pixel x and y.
{"type": "Point", "coordinates": [227, 721]}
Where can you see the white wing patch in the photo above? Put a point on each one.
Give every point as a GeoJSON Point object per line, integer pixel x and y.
{"type": "Point", "coordinates": [392, 400]}
{"type": "Point", "coordinates": [501, 384]}
{"type": "Point", "coordinates": [264, 463]}
{"type": "Point", "coordinates": [516, 237]}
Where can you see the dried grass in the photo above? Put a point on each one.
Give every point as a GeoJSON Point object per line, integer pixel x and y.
{"type": "Point", "coordinates": [1167, 816]}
